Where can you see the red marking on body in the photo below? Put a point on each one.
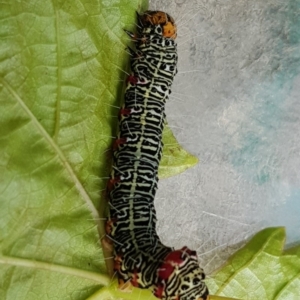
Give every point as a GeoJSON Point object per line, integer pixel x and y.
{"type": "Point", "coordinates": [165, 270]}
{"type": "Point", "coordinates": [159, 291]}
{"type": "Point", "coordinates": [134, 280]}
{"type": "Point", "coordinates": [173, 259]}
{"type": "Point", "coordinates": [111, 183]}
{"type": "Point", "coordinates": [125, 111]}
{"type": "Point", "coordinates": [135, 80]}
{"type": "Point", "coordinates": [132, 79]}
{"type": "Point", "coordinates": [118, 142]}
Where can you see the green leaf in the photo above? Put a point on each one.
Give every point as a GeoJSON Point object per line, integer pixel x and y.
{"type": "Point", "coordinates": [61, 82]}
{"type": "Point", "coordinates": [59, 65]}
{"type": "Point", "coordinates": [260, 270]}
{"type": "Point", "coordinates": [112, 292]}
{"type": "Point", "coordinates": [175, 159]}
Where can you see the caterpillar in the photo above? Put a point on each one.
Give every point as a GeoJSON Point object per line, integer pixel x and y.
{"type": "Point", "coordinates": [141, 259]}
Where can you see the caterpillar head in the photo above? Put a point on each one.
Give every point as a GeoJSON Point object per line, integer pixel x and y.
{"type": "Point", "coordinates": [180, 277]}
{"type": "Point", "coordinates": [157, 22]}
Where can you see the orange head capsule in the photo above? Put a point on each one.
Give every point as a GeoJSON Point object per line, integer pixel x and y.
{"type": "Point", "coordinates": [159, 18]}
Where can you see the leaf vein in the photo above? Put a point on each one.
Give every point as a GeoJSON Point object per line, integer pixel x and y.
{"type": "Point", "coordinates": [254, 256]}
{"type": "Point", "coordinates": [27, 263]}
{"type": "Point", "coordinates": [60, 154]}
{"type": "Point", "coordinates": [59, 75]}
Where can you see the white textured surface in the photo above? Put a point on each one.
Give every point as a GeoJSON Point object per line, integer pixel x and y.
{"type": "Point", "coordinates": [236, 106]}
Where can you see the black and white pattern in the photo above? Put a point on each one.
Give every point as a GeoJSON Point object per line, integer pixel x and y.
{"type": "Point", "coordinates": [140, 257]}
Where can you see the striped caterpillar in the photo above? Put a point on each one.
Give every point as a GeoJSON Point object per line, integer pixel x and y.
{"type": "Point", "coordinates": [140, 257]}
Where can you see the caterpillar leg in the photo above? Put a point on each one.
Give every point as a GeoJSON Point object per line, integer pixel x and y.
{"type": "Point", "coordinates": [106, 242]}
{"type": "Point", "coordinates": [109, 226]}
{"type": "Point", "coordinates": [125, 286]}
